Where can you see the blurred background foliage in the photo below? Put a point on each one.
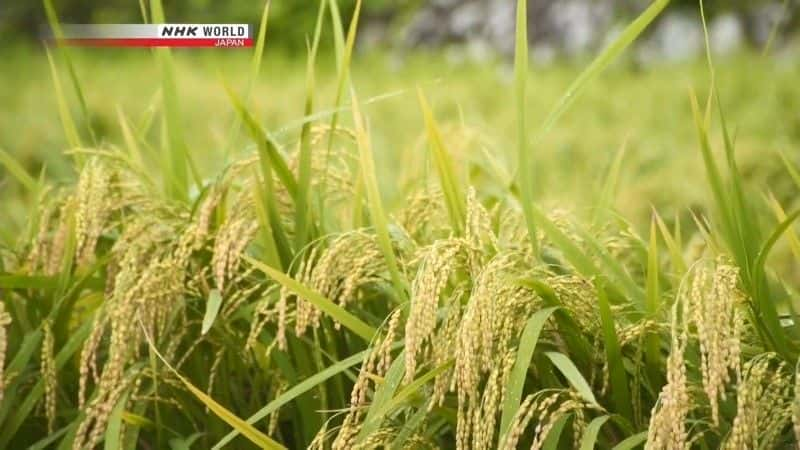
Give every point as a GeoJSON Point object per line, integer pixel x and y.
{"type": "Point", "coordinates": [292, 20]}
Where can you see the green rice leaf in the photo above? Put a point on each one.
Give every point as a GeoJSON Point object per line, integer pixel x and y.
{"type": "Point", "coordinates": [652, 341]}
{"type": "Point", "coordinates": [610, 184]}
{"type": "Point", "coordinates": [15, 168]}
{"type": "Point", "coordinates": [267, 147]}
{"type": "Point", "coordinates": [383, 395]}
{"type": "Point", "coordinates": [70, 131]}
{"type": "Point", "coordinates": [620, 394]}
{"type": "Point", "coordinates": [212, 309]}
{"type": "Point", "coordinates": [47, 441]}
{"type": "Point", "coordinates": [408, 391]}
{"type": "Point", "coordinates": [516, 379]}
{"type": "Point", "coordinates": [184, 443]}
{"type": "Point", "coordinates": [632, 442]}
{"type": "Point", "coordinates": [592, 430]}
{"type": "Point", "coordinates": [520, 81]}
{"type": "Point", "coordinates": [55, 25]}
{"type": "Point", "coordinates": [554, 435]}
{"type": "Point", "coordinates": [28, 281]}
{"type": "Point", "coordinates": [409, 427]}
{"type": "Point", "coordinates": [114, 428]}
{"type": "Point", "coordinates": [673, 245]}
{"type": "Point", "coordinates": [342, 78]}
{"type": "Point", "coordinates": [338, 33]}
{"type": "Point", "coordinates": [573, 375]}
{"type": "Point", "coordinates": [338, 313]}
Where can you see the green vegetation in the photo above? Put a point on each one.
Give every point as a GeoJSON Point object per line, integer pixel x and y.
{"type": "Point", "coordinates": [239, 250]}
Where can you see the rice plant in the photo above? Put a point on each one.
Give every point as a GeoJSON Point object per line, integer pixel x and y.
{"type": "Point", "coordinates": [282, 303]}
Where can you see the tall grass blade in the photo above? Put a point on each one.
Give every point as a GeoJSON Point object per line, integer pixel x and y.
{"type": "Point", "coordinates": [277, 244]}
{"type": "Point", "coordinates": [302, 200]}
{"type": "Point", "coordinates": [454, 198]}
{"type": "Point", "coordinates": [255, 70]}
{"type": "Point", "coordinates": [520, 81]}
{"type": "Point", "coordinates": [623, 40]}
{"type": "Point", "coordinates": [342, 78]}
{"type": "Point", "coordinates": [673, 245]}
{"type": "Point", "coordinates": [175, 171]}
{"type": "Point", "coordinates": [374, 203]}
{"type": "Point", "coordinates": [610, 184]}
{"type": "Point", "coordinates": [17, 171]}
{"type": "Point", "coordinates": [338, 33]}
{"type": "Point", "coordinates": [70, 131]}
{"type": "Point", "coordinates": [55, 26]}
{"type": "Point", "coordinates": [652, 341]}
{"type": "Point", "coordinates": [620, 393]}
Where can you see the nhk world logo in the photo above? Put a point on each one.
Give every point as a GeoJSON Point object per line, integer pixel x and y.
{"type": "Point", "coordinates": [157, 35]}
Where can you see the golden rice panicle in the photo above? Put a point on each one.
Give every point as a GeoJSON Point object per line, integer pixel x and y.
{"type": "Point", "coordinates": [795, 403]}
{"type": "Point", "coordinates": [232, 238]}
{"type": "Point", "coordinates": [377, 363]}
{"type": "Point", "coordinates": [38, 255]}
{"type": "Point", "coordinates": [48, 373]}
{"type": "Point", "coordinates": [547, 407]}
{"type": "Point", "coordinates": [572, 404]}
{"type": "Point", "coordinates": [264, 314]}
{"type": "Point", "coordinates": [384, 354]}
{"type": "Point", "coordinates": [714, 301]}
{"type": "Point", "coordinates": [58, 244]}
{"type": "Point", "coordinates": [579, 296]}
{"type": "Point", "coordinates": [667, 429]}
{"type": "Point", "coordinates": [282, 306]}
{"type": "Point", "coordinates": [306, 314]}
{"type": "Point", "coordinates": [424, 216]}
{"type": "Point", "coordinates": [493, 316]}
{"type": "Point", "coordinates": [349, 262]}
{"type": "Point", "coordinates": [492, 397]}
{"type": "Point", "coordinates": [94, 204]}
{"type": "Point", "coordinates": [149, 281]}
{"type": "Point", "coordinates": [479, 231]}
{"type": "Point", "coordinates": [88, 359]}
{"type": "Point", "coordinates": [763, 404]}
{"type": "Point", "coordinates": [350, 427]}
{"type": "Point", "coordinates": [439, 262]}
{"type": "Point", "coordinates": [5, 321]}
{"type": "Point", "coordinates": [445, 339]}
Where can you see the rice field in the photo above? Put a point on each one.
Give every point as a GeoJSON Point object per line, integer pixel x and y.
{"type": "Point", "coordinates": [354, 252]}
